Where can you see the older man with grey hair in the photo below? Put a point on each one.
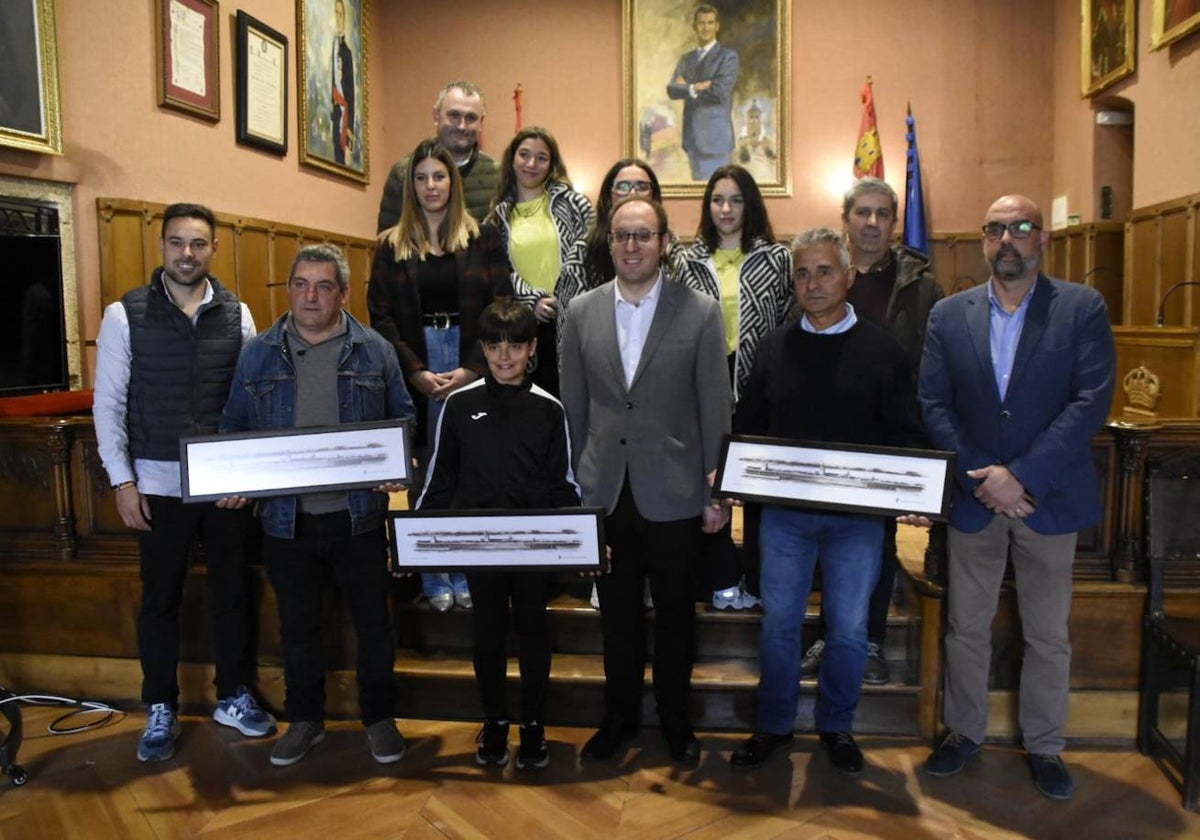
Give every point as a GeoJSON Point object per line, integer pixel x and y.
{"type": "Point", "coordinates": [318, 366]}
{"type": "Point", "coordinates": [830, 377]}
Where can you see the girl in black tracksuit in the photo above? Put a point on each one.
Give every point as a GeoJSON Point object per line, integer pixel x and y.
{"type": "Point", "coordinates": [502, 442]}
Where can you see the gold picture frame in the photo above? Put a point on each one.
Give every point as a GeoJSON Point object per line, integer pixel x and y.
{"type": "Point", "coordinates": [342, 149]}
{"type": "Point", "coordinates": [188, 39]}
{"type": "Point", "coordinates": [30, 115]}
{"type": "Point", "coordinates": [1173, 19]}
{"type": "Point", "coordinates": [1108, 42]}
{"type": "Point", "coordinates": [666, 119]}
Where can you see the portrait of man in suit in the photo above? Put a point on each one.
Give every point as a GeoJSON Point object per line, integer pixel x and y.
{"type": "Point", "coordinates": [645, 386]}
{"type": "Point", "coordinates": [342, 102]}
{"type": "Point", "coordinates": [704, 80]}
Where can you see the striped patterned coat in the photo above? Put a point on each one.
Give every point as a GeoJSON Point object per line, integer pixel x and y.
{"type": "Point", "coordinates": [572, 215]}
{"type": "Point", "coordinates": [765, 294]}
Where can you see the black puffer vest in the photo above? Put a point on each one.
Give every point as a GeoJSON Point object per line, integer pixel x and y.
{"type": "Point", "coordinates": [180, 374]}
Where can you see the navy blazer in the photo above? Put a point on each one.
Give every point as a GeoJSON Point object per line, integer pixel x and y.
{"type": "Point", "coordinates": [707, 119]}
{"type": "Point", "coordinates": [1058, 397]}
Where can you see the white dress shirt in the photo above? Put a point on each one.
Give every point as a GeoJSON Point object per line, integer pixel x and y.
{"type": "Point", "coordinates": [633, 325]}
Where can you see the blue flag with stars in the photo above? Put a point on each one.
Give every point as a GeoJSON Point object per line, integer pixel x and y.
{"type": "Point", "coordinates": [916, 236]}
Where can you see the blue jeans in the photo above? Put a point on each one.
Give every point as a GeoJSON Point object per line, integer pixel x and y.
{"type": "Point", "coordinates": [849, 547]}
{"type": "Point", "coordinates": [442, 347]}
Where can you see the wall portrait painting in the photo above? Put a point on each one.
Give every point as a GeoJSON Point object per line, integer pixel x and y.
{"type": "Point", "coordinates": [332, 82]}
{"type": "Point", "coordinates": [1173, 19]}
{"type": "Point", "coordinates": [1109, 48]}
{"type": "Point", "coordinates": [29, 106]}
{"type": "Point", "coordinates": [707, 84]}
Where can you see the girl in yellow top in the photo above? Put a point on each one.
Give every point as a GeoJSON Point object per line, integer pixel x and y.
{"type": "Point", "coordinates": [545, 225]}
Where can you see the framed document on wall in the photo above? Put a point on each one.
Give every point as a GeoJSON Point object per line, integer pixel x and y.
{"type": "Point", "coordinates": [261, 89]}
{"type": "Point", "coordinates": [189, 75]}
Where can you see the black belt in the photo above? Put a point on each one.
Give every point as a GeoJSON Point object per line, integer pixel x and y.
{"type": "Point", "coordinates": [440, 320]}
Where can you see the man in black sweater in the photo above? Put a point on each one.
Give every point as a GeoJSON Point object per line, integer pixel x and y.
{"type": "Point", "coordinates": [831, 378]}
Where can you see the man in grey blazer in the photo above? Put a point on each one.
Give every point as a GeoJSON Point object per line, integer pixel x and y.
{"type": "Point", "coordinates": [645, 385]}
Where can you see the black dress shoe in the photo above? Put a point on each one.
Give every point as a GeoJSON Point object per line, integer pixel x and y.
{"type": "Point", "coordinates": [683, 747]}
{"type": "Point", "coordinates": [843, 752]}
{"type": "Point", "coordinates": [602, 746]}
{"type": "Point", "coordinates": [757, 749]}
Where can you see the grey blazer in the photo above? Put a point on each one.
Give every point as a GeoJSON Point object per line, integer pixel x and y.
{"type": "Point", "coordinates": [665, 430]}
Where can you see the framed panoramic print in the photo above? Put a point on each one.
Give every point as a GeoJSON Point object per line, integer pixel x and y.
{"type": "Point", "coordinates": [261, 88]}
{"type": "Point", "coordinates": [189, 66]}
{"type": "Point", "coordinates": [29, 108]}
{"type": "Point", "coordinates": [283, 462]}
{"type": "Point", "coordinates": [857, 479]}
{"type": "Point", "coordinates": [331, 86]}
{"type": "Point", "coordinates": [1107, 44]}
{"type": "Point", "coordinates": [1173, 19]}
{"type": "Point", "coordinates": [706, 88]}
{"type": "Point", "coordinates": [454, 540]}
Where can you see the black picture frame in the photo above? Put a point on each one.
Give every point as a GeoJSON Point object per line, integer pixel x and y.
{"type": "Point", "coordinates": [345, 457]}
{"type": "Point", "coordinates": [490, 540]}
{"type": "Point", "coordinates": [879, 480]}
{"type": "Point", "coordinates": [261, 85]}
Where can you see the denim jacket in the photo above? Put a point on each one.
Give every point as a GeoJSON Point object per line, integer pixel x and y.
{"type": "Point", "coordinates": [263, 396]}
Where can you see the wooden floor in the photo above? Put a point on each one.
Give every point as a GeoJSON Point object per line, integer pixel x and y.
{"type": "Point", "coordinates": [221, 785]}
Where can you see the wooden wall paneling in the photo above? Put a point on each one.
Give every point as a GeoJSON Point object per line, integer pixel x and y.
{"type": "Point", "coordinates": [359, 256]}
{"type": "Point", "coordinates": [223, 264]}
{"type": "Point", "coordinates": [252, 247]}
{"type": "Point", "coordinates": [1173, 268]}
{"type": "Point", "coordinates": [284, 246]}
{"type": "Point", "coordinates": [1142, 291]}
{"type": "Point", "coordinates": [29, 486]}
{"type": "Point", "coordinates": [100, 532]}
{"type": "Point", "coordinates": [1171, 353]}
{"type": "Point", "coordinates": [123, 227]}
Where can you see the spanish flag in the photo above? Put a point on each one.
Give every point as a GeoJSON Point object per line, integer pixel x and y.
{"type": "Point", "coordinates": [868, 155]}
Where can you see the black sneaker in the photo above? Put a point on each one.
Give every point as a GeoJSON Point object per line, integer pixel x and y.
{"type": "Point", "coordinates": [843, 752]}
{"type": "Point", "coordinates": [952, 755]}
{"type": "Point", "coordinates": [493, 743]}
{"type": "Point", "coordinates": [533, 753]}
{"type": "Point", "coordinates": [758, 749]}
{"type": "Point", "coordinates": [810, 665]}
{"type": "Point", "coordinates": [876, 671]}
{"type": "Point", "coordinates": [1050, 776]}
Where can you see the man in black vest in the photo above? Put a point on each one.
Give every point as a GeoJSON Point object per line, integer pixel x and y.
{"type": "Point", "coordinates": [164, 360]}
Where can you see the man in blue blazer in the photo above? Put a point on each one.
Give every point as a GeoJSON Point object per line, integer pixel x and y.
{"type": "Point", "coordinates": [646, 390]}
{"type": "Point", "coordinates": [1016, 378]}
{"type": "Point", "coordinates": [704, 79]}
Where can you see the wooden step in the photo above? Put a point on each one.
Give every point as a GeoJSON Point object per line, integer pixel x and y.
{"type": "Point", "coordinates": [443, 686]}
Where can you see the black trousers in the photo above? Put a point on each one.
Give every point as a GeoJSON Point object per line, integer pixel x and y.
{"type": "Point", "coordinates": [662, 552]}
{"type": "Point", "coordinates": [299, 569]}
{"type": "Point", "coordinates": [164, 566]}
{"type": "Point", "coordinates": [492, 593]}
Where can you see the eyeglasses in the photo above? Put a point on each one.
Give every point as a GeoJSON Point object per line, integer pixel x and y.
{"type": "Point", "coordinates": [621, 237]}
{"type": "Point", "coordinates": [627, 187]}
{"type": "Point", "coordinates": [1019, 229]}
{"type": "Point", "coordinates": [324, 288]}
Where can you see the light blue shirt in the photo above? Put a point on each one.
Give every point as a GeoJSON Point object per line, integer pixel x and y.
{"type": "Point", "coordinates": [840, 327]}
{"type": "Point", "coordinates": [633, 325]}
{"type": "Point", "coordinates": [1005, 333]}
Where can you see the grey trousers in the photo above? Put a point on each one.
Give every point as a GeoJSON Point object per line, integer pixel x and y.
{"type": "Point", "coordinates": [1042, 565]}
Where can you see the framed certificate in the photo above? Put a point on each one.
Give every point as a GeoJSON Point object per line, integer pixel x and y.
{"type": "Point", "coordinates": [189, 40]}
{"type": "Point", "coordinates": [459, 540]}
{"type": "Point", "coordinates": [285, 462]}
{"type": "Point", "coordinates": [262, 58]}
{"type": "Point", "coordinates": [887, 481]}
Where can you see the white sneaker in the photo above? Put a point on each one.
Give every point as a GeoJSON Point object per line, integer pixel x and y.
{"type": "Point", "coordinates": [727, 599]}
{"type": "Point", "coordinates": [594, 599]}
{"type": "Point", "coordinates": [749, 601]}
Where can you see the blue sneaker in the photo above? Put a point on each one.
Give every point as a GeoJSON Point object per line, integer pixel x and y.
{"type": "Point", "coordinates": [159, 736]}
{"type": "Point", "coordinates": [243, 713]}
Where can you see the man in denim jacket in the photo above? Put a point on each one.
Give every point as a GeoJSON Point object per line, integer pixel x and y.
{"type": "Point", "coordinates": [318, 366]}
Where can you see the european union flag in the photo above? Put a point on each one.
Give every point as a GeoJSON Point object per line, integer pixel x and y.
{"type": "Point", "coordinates": [915, 234]}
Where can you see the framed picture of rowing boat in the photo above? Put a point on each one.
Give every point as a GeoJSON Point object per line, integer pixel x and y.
{"type": "Point", "coordinates": [286, 462]}
{"type": "Point", "coordinates": [887, 481]}
{"type": "Point", "coordinates": [512, 540]}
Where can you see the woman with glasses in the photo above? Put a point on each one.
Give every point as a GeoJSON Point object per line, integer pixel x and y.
{"type": "Point", "coordinates": [626, 177]}
{"type": "Point", "coordinates": [433, 274]}
{"type": "Point", "coordinates": [736, 260]}
{"type": "Point", "coordinates": [544, 223]}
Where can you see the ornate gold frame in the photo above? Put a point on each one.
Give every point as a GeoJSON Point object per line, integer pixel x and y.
{"type": "Point", "coordinates": [49, 138]}
{"type": "Point", "coordinates": [1098, 68]}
